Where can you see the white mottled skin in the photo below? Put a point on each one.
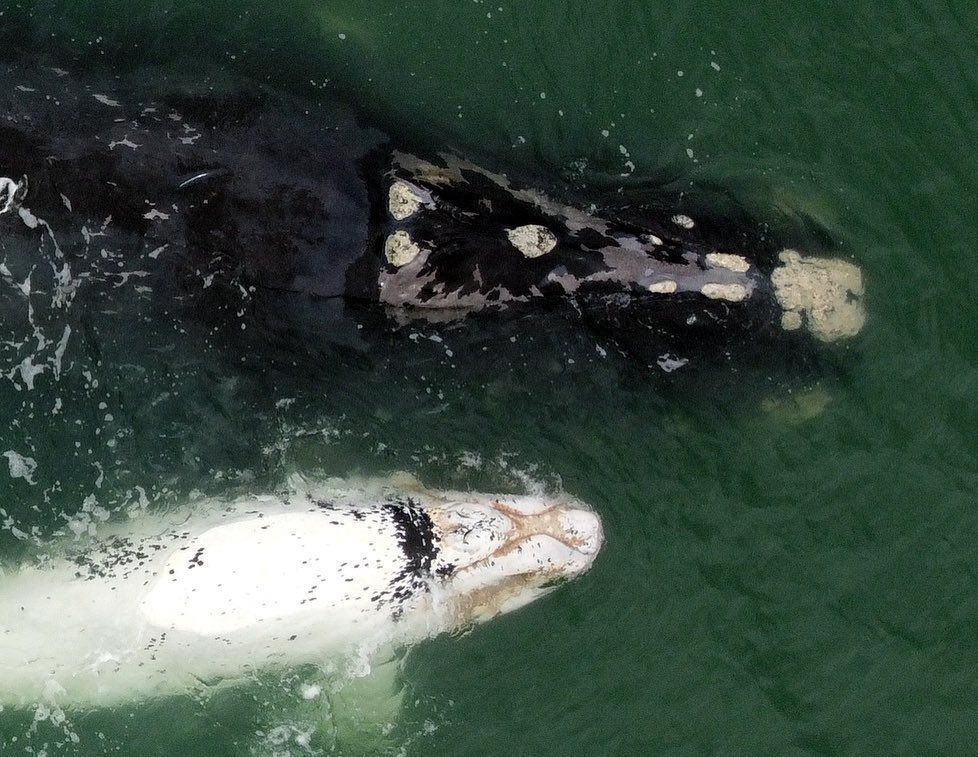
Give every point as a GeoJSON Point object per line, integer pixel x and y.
{"type": "Point", "coordinates": [165, 602]}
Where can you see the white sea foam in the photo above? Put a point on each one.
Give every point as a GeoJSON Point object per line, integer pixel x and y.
{"type": "Point", "coordinates": [21, 466]}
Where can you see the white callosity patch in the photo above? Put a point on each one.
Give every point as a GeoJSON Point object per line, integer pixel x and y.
{"type": "Point", "coordinates": [404, 199]}
{"type": "Point", "coordinates": [532, 240]}
{"type": "Point", "coordinates": [666, 286]}
{"type": "Point", "coordinates": [400, 249]}
{"type": "Point", "coordinates": [737, 263]}
{"type": "Point", "coordinates": [728, 292]}
{"type": "Point", "coordinates": [791, 320]}
{"type": "Point", "coordinates": [822, 293]}
{"type": "Point", "coordinates": [148, 607]}
{"type": "Point", "coordinates": [625, 262]}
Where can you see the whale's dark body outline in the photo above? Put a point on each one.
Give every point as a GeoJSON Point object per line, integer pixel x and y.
{"type": "Point", "coordinates": [259, 191]}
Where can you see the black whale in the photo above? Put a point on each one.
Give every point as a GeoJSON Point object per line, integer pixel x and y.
{"type": "Point", "coordinates": [252, 191]}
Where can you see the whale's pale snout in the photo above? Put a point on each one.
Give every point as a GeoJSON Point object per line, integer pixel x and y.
{"type": "Point", "coordinates": [499, 553]}
{"type": "Point", "coordinates": [583, 530]}
{"type": "Point", "coordinates": [566, 535]}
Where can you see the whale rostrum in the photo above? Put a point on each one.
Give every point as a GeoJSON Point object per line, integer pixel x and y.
{"type": "Point", "coordinates": [214, 592]}
{"type": "Point", "coordinates": [257, 190]}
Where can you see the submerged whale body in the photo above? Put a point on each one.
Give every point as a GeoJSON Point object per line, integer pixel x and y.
{"type": "Point", "coordinates": [276, 580]}
{"type": "Point", "coordinates": [239, 197]}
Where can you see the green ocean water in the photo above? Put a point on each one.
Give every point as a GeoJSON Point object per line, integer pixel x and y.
{"type": "Point", "coordinates": [788, 569]}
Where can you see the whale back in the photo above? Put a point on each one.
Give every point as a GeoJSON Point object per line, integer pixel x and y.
{"type": "Point", "coordinates": [152, 607]}
{"type": "Point", "coordinates": [266, 568]}
{"type": "Point", "coordinates": [219, 591]}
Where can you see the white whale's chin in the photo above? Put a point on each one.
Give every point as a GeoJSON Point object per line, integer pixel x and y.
{"type": "Point", "coordinates": [267, 581]}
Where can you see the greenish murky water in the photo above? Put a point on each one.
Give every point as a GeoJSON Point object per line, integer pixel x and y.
{"type": "Point", "coordinates": [787, 569]}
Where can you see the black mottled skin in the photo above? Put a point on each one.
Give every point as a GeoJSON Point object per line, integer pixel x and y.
{"type": "Point", "coordinates": [294, 201]}
{"type": "Point", "coordinates": [288, 209]}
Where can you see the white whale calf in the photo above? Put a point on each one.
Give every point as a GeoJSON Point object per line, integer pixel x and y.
{"type": "Point", "coordinates": [260, 581]}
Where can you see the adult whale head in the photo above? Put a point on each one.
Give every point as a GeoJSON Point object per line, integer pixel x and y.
{"type": "Point", "coordinates": [665, 281]}
{"type": "Point", "coordinates": [276, 580]}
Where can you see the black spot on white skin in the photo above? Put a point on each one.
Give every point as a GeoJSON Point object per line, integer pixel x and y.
{"type": "Point", "coordinates": [415, 535]}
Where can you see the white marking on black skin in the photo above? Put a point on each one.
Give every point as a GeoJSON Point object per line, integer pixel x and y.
{"type": "Point", "coordinates": [729, 292]}
{"type": "Point", "coordinates": [124, 142]}
{"type": "Point", "coordinates": [663, 287]}
{"type": "Point", "coordinates": [717, 275]}
{"type": "Point", "coordinates": [574, 219]}
{"type": "Point", "coordinates": [30, 220]}
{"type": "Point", "coordinates": [532, 239]}
{"type": "Point", "coordinates": [202, 176]}
{"type": "Point", "coordinates": [824, 294]}
{"type": "Point", "coordinates": [668, 363]}
{"type": "Point", "coordinates": [193, 179]}
{"type": "Point", "coordinates": [791, 320]}
{"type": "Point", "coordinates": [404, 199]}
{"type": "Point", "coordinates": [107, 101]}
{"type": "Point", "coordinates": [400, 249]}
{"type": "Point", "coordinates": [737, 263]}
